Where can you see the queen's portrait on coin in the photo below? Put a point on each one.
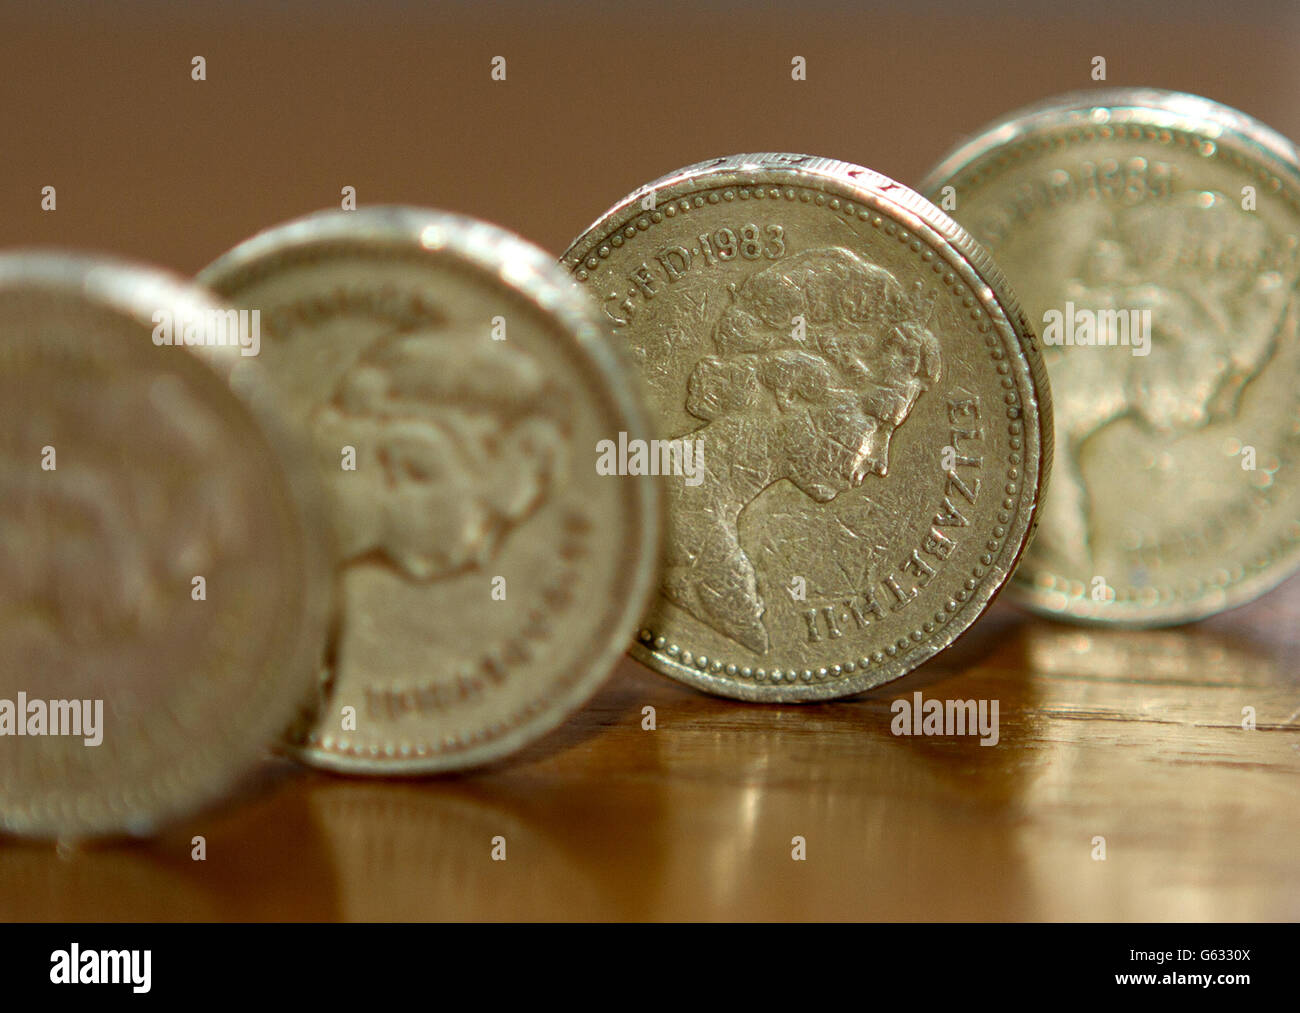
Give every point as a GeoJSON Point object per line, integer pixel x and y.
{"type": "Point", "coordinates": [457, 443]}
{"type": "Point", "coordinates": [815, 363]}
{"type": "Point", "coordinates": [1214, 327]}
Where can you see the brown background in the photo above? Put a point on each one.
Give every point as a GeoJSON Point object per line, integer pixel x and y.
{"type": "Point", "coordinates": [396, 100]}
{"type": "Point", "coordinates": [1134, 737]}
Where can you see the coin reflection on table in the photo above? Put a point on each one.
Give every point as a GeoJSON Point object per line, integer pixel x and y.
{"type": "Point", "coordinates": [1153, 239]}
{"type": "Point", "coordinates": [455, 389]}
{"type": "Point", "coordinates": [455, 852]}
{"type": "Point", "coordinates": [163, 597]}
{"type": "Point", "coordinates": [862, 405]}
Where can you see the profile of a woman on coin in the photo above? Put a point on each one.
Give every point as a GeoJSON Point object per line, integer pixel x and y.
{"type": "Point", "coordinates": [456, 443]}
{"type": "Point", "coordinates": [816, 362]}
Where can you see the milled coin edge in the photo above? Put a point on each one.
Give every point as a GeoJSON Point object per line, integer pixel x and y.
{"type": "Point", "coordinates": [966, 257]}
{"type": "Point", "coordinates": [1159, 109]}
{"type": "Point", "coordinates": [532, 275]}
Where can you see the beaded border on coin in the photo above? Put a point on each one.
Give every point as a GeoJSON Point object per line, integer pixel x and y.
{"type": "Point", "coordinates": [854, 192]}
{"type": "Point", "coordinates": [532, 276]}
{"type": "Point", "coordinates": [1211, 130]}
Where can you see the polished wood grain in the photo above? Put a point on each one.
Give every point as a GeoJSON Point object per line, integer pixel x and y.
{"type": "Point", "coordinates": [1134, 737]}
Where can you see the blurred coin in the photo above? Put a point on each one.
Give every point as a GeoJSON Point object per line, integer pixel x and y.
{"type": "Point", "coordinates": [162, 607]}
{"type": "Point", "coordinates": [1152, 237]}
{"type": "Point", "coordinates": [455, 389]}
{"type": "Point", "coordinates": [857, 410]}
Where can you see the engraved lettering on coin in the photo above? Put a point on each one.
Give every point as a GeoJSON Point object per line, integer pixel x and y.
{"type": "Point", "coordinates": [488, 582]}
{"type": "Point", "coordinates": [817, 409]}
{"type": "Point", "coordinates": [1122, 206]}
{"type": "Point", "coordinates": [871, 408]}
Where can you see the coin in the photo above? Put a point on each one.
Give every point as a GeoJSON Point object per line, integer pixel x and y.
{"type": "Point", "coordinates": [162, 610]}
{"type": "Point", "coordinates": [1153, 239]}
{"type": "Point", "coordinates": [455, 388]}
{"type": "Point", "coordinates": [866, 407]}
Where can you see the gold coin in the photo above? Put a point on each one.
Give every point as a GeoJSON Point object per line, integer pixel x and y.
{"type": "Point", "coordinates": [1152, 237]}
{"type": "Point", "coordinates": [455, 388]}
{"type": "Point", "coordinates": [851, 408]}
{"type": "Point", "coordinates": [162, 607]}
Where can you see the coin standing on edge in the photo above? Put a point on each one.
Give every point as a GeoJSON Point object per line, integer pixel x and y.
{"type": "Point", "coordinates": [455, 389]}
{"type": "Point", "coordinates": [163, 599]}
{"type": "Point", "coordinates": [866, 413]}
{"type": "Point", "coordinates": [1152, 237]}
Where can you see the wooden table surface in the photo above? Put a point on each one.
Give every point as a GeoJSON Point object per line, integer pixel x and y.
{"type": "Point", "coordinates": [1134, 737]}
